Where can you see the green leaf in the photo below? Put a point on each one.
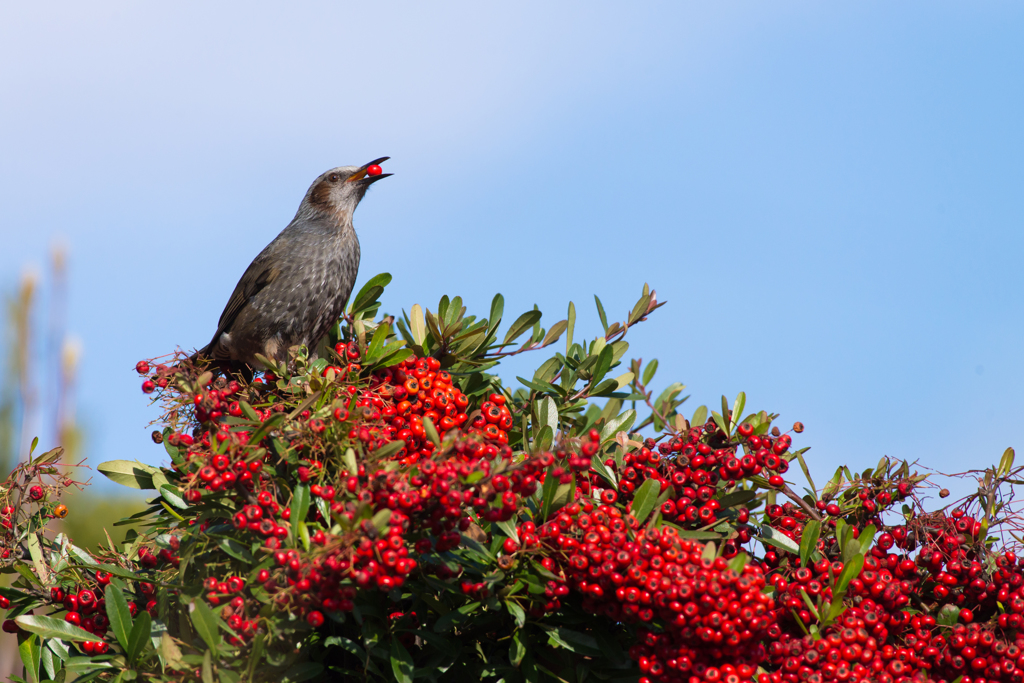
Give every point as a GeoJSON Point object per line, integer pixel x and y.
{"type": "Point", "coordinates": [600, 313]}
{"type": "Point", "coordinates": [948, 615]}
{"type": "Point", "coordinates": [31, 655]}
{"type": "Point", "coordinates": [139, 637]}
{"type": "Point", "coordinates": [547, 413]}
{"type": "Point", "coordinates": [645, 499]}
{"type": "Point", "coordinates": [401, 662]}
{"type": "Point", "coordinates": [700, 416]}
{"type": "Point", "coordinates": [737, 409]}
{"type": "Point", "coordinates": [571, 320]}
{"type": "Point", "coordinates": [850, 571]}
{"type": "Point", "coordinates": [351, 466]}
{"type": "Point", "coordinates": [649, 371]}
{"type": "Point", "coordinates": [522, 324]}
{"type": "Point", "coordinates": [431, 431]}
{"type": "Point", "coordinates": [508, 528]}
{"type": "Point", "coordinates": [205, 623]}
{"type": "Point", "coordinates": [119, 614]}
{"type": "Point", "coordinates": [809, 540]}
{"type": "Point", "coordinates": [1005, 463]}
{"type": "Point", "coordinates": [417, 325]}
{"type": "Point", "coordinates": [171, 653]}
{"type": "Point", "coordinates": [738, 563]}
{"type": "Point", "coordinates": [805, 469]}
{"type": "Point", "coordinates": [622, 423]}
{"type": "Point", "coordinates": [49, 627]}
{"type": "Point", "coordinates": [300, 504]}
{"type": "Point", "coordinates": [778, 539]}
{"type": "Point", "coordinates": [516, 649]}
{"type": "Point", "coordinates": [517, 612]}
{"type": "Point", "coordinates": [236, 550]}
{"type": "Point", "coordinates": [603, 470]}
{"type": "Point", "coordinates": [36, 552]}
{"type": "Point", "coordinates": [554, 333]}
{"type": "Point", "coordinates": [388, 449]}
{"type": "Point", "coordinates": [172, 495]}
{"type": "Point", "coordinates": [370, 292]}
{"type": "Point", "coordinates": [128, 473]}
{"type": "Point", "coordinates": [207, 667]}
{"type": "Point", "coordinates": [736, 498]}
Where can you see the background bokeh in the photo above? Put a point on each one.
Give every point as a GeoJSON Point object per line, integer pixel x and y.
{"type": "Point", "coordinates": [828, 195]}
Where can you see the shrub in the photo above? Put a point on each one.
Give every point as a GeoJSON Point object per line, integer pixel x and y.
{"type": "Point", "coordinates": [391, 511]}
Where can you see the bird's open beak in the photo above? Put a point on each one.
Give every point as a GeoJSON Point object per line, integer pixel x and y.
{"type": "Point", "coordinates": [361, 173]}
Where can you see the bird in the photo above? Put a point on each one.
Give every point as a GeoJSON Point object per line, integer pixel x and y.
{"type": "Point", "coordinates": [298, 286]}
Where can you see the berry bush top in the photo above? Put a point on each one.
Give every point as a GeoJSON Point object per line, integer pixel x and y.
{"type": "Point", "coordinates": [390, 510]}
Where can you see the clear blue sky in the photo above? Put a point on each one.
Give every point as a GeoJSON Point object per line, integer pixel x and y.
{"type": "Point", "coordinates": [827, 194]}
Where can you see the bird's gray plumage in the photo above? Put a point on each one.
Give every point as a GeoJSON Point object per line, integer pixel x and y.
{"type": "Point", "coordinates": [297, 288]}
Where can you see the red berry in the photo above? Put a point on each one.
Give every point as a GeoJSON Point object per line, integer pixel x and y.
{"type": "Point", "coordinates": [142, 367]}
{"type": "Point", "coordinates": [35, 493]}
{"type": "Point", "coordinates": [374, 170]}
{"type": "Point", "coordinates": [148, 387]}
{"type": "Point", "coordinates": [777, 481]}
{"type": "Point", "coordinates": [315, 618]}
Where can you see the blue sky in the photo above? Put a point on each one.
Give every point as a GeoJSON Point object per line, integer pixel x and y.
{"type": "Point", "coordinates": [828, 195]}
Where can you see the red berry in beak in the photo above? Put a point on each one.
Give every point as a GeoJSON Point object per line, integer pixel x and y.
{"type": "Point", "coordinates": [374, 170]}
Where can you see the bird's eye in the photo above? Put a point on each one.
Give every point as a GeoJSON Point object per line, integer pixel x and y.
{"type": "Point", "coordinates": [333, 177]}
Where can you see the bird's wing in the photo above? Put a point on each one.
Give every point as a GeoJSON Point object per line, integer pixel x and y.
{"type": "Point", "coordinates": [258, 275]}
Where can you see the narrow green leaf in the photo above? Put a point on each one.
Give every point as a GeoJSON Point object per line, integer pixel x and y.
{"type": "Point", "coordinates": [172, 495]}
{"type": "Point", "coordinates": [738, 563]}
{"type": "Point", "coordinates": [645, 499]}
{"type": "Point", "coordinates": [118, 613]}
{"type": "Point", "coordinates": [600, 313]}
{"type": "Point", "coordinates": [205, 623]}
{"type": "Point", "coordinates": [516, 649]}
{"type": "Point", "coordinates": [417, 326]}
{"type": "Point", "coordinates": [737, 409]}
{"type": "Point", "coordinates": [517, 612]}
{"type": "Point", "coordinates": [522, 324]}
{"type": "Point", "coordinates": [351, 466]}
{"type": "Point", "coordinates": [431, 431]}
{"type": "Point", "coordinates": [139, 637]}
{"type": "Point", "coordinates": [850, 571]}
{"type": "Point", "coordinates": [49, 627]}
{"type": "Point", "coordinates": [571, 319]}
{"type": "Point", "coordinates": [649, 371]}
{"type": "Point", "coordinates": [603, 470]}
{"type": "Point", "coordinates": [809, 540]}
{"type": "Point", "coordinates": [778, 539]}
{"type": "Point", "coordinates": [401, 662]}
{"type": "Point", "coordinates": [1006, 463]}
{"type": "Point", "coordinates": [300, 504]}
{"type": "Point", "coordinates": [369, 292]}
{"type": "Point", "coordinates": [700, 416]}
{"type": "Point", "coordinates": [128, 473]}
{"type": "Point", "coordinates": [547, 413]}
{"type": "Point", "coordinates": [622, 423]}
{"type": "Point", "coordinates": [554, 333]}
{"type": "Point", "coordinates": [31, 655]}
{"type": "Point", "coordinates": [805, 469]}
{"type": "Point", "coordinates": [207, 667]}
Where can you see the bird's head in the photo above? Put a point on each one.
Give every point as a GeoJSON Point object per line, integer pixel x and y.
{"type": "Point", "coordinates": [336, 193]}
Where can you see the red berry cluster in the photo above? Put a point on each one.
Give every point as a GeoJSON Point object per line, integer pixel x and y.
{"type": "Point", "coordinates": [711, 614]}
